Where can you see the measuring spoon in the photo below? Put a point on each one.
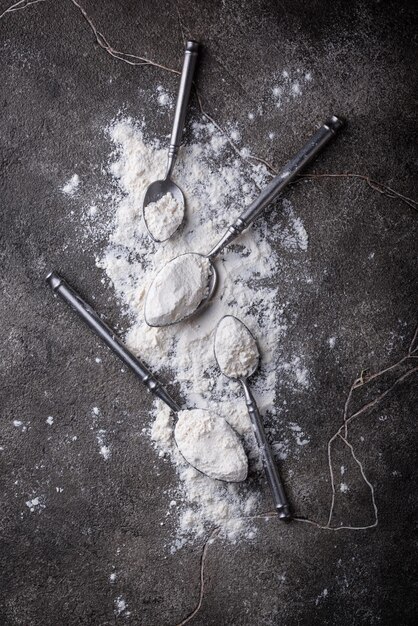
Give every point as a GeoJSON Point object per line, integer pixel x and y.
{"type": "Point", "coordinates": [173, 275]}
{"type": "Point", "coordinates": [159, 188]}
{"type": "Point", "coordinates": [216, 427]}
{"type": "Point", "coordinates": [245, 369]}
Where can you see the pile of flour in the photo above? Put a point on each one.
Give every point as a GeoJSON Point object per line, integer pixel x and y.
{"type": "Point", "coordinates": [210, 445]}
{"type": "Point", "coordinates": [177, 289]}
{"type": "Point", "coordinates": [217, 184]}
{"type": "Point", "coordinates": [163, 217]}
{"type": "Point", "coordinates": [235, 348]}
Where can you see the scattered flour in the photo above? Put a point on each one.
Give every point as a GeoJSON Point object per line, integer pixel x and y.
{"type": "Point", "coordinates": [331, 342]}
{"type": "Point", "coordinates": [290, 86]}
{"type": "Point", "coordinates": [163, 217]}
{"type": "Point", "coordinates": [164, 98]}
{"type": "Point", "coordinates": [121, 607]}
{"type": "Point", "coordinates": [210, 445]}
{"type": "Point", "coordinates": [293, 236]}
{"type": "Point", "coordinates": [71, 185]}
{"type": "Point", "coordinates": [297, 371]}
{"type": "Point", "coordinates": [218, 184]}
{"type": "Point", "coordinates": [103, 447]}
{"type": "Point", "coordinates": [235, 348]}
{"type": "Point", "coordinates": [300, 438]}
{"type": "Point", "coordinates": [322, 596]}
{"type": "Point", "coordinates": [36, 504]}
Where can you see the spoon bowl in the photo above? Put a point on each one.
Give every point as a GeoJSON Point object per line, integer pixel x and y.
{"type": "Point", "coordinates": [233, 350]}
{"type": "Point", "coordinates": [209, 444]}
{"type": "Point", "coordinates": [193, 306]}
{"type": "Point", "coordinates": [157, 190]}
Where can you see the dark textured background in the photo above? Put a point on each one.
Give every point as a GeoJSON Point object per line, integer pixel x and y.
{"type": "Point", "coordinates": [59, 89]}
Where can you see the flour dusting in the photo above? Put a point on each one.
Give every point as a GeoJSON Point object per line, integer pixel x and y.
{"type": "Point", "coordinates": [70, 187]}
{"type": "Point", "coordinates": [218, 184]}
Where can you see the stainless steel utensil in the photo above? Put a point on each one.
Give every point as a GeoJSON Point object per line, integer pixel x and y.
{"type": "Point", "coordinates": [290, 171]}
{"type": "Point", "coordinates": [108, 336]}
{"type": "Point", "coordinates": [160, 188]}
{"type": "Point", "coordinates": [269, 464]}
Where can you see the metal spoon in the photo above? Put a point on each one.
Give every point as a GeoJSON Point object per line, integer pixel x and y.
{"type": "Point", "coordinates": [270, 467]}
{"type": "Point", "coordinates": [108, 336]}
{"type": "Point", "coordinates": [320, 139]}
{"type": "Point", "coordinates": [160, 188]}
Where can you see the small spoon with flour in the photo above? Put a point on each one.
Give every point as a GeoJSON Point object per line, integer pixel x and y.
{"type": "Point", "coordinates": [186, 284]}
{"type": "Point", "coordinates": [237, 355]}
{"type": "Point", "coordinates": [163, 205]}
{"type": "Point", "coordinates": [205, 439]}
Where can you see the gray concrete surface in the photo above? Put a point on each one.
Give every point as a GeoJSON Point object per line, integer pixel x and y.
{"type": "Point", "coordinates": [58, 90]}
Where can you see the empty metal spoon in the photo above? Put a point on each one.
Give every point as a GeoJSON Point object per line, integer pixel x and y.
{"type": "Point", "coordinates": [237, 355]}
{"type": "Point", "coordinates": [237, 464]}
{"type": "Point", "coordinates": [173, 308]}
{"type": "Point", "coordinates": [160, 188]}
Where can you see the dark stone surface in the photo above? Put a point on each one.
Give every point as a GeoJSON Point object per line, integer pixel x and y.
{"type": "Point", "coordinates": [58, 91]}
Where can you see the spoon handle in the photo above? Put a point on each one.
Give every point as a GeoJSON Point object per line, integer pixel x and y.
{"type": "Point", "coordinates": [292, 169]}
{"type": "Point", "coordinates": [189, 64]}
{"type": "Point", "coordinates": [270, 467]}
{"type": "Point", "coordinates": [97, 325]}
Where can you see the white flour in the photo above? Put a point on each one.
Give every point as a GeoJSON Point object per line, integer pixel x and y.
{"type": "Point", "coordinates": [218, 185]}
{"type": "Point", "coordinates": [177, 289]}
{"type": "Point", "coordinates": [210, 445]}
{"type": "Point", "coordinates": [163, 217]}
{"type": "Point", "coordinates": [71, 185]}
{"type": "Point", "coordinates": [235, 348]}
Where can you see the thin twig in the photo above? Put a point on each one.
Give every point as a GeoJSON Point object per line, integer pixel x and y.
{"type": "Point", "coordinates": [135, 60]}
{"type": "Point", "coordinates": [130, 59]}
{"type": "Point", "coordinates": [366, 480]}
{"type": "Point", "coordinates": [208, 542]}
{"type": "Point", "coordinates": [374, 184]}
{"type": "Point", "coordinates": [360, 382]}
{"type": "Point", "coordinates": [18, 6]}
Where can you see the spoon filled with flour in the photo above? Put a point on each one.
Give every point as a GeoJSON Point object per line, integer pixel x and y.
{"type": "Point", "coordinates": [205, 440]}
{"type": "Point", "coordinates": [163, 217]}
{"type": "Point", "coordinates": [237, 355]}
{"type": "Point", "coordinates": [163, 205]}
{"type": "Point", "coordinates": [186, 284]}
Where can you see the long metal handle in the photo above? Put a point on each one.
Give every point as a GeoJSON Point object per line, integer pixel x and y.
{"type": "Point", "coordinates": [276, 487]}
{"type": "Point", "coordinates": [91, 318]}
{"type": "Point", "coordinates": [292, 169]}
{"type": "Point", "coordinates": [186, 80]}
